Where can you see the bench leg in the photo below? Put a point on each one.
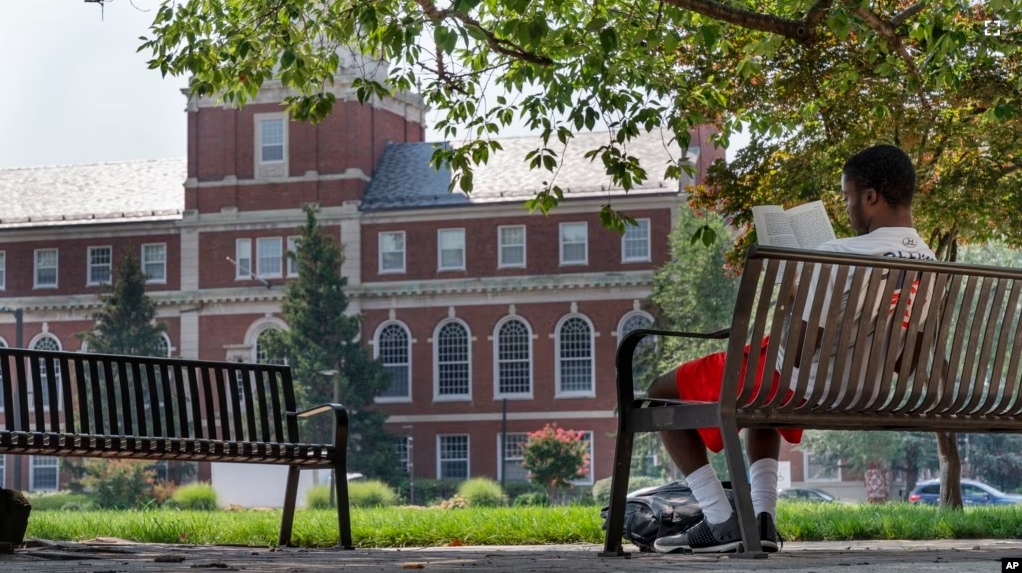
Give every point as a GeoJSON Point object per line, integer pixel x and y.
{"type": "Point", "coordinates": [343, 513]}
{"type": "Point", "coordinates": [742, 491]}
{"type": "Point", "coordinates": [618, 492]}
{"type": "Point", "coordinates": [290, 499]}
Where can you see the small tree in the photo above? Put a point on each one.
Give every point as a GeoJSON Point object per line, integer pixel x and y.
{"type": "Point", "coordinates": [555, 456]}
{"type": "Point", "coordinates": [126, 323]}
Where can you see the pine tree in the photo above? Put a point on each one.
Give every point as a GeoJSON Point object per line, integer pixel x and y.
{"type": "Point", "coordinates": [323, 337]}
{"type": "Point", "coordinates": [126, 323]}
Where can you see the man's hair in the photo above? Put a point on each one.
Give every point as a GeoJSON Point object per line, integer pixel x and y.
{"type": "Point", "coordinates": [886, 169]}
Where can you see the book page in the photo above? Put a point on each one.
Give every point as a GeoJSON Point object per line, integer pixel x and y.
{"type": "Point", "coordinates": [773, 227]}
{"type": "Point", "coordinates": [810, 224]}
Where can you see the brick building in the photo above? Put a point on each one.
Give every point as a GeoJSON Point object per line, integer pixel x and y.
{"type": "Point", "coordinates": [468, 300]}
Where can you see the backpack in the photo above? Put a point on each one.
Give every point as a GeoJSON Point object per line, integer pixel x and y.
{"type": "Point", "coordinates": [659, 511]}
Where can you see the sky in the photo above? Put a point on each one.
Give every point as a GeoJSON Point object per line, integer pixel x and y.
{"type": "Point", "coordinates": [74, 89]}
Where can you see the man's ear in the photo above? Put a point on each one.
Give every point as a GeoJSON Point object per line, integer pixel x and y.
{"type": "Point", "coordinates": [870, 196]}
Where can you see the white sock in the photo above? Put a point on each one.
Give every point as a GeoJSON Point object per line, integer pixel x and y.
{"type": "Point", "coordinates": [763, 475]}
{"type": "Point", "coordinates": [709, 492]}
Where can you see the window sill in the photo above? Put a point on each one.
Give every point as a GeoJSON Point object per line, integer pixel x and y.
{"type": "Point", "coordinates": [570, 395]}
{"type": "Point", "coordinates": [43, 287]}
{"type": "Point", "coordinates": [450, 269]}
{"type": "Point", "coordinates": [452, 398]}
{"type": "Point", "coordinates": [631, 261]}
{"type": "Point", "coordinates": [523, 396]}
{"type": "Point", "coordinates": [573, 264]}
{"type": "Point", "coordinates": [391, 272]}
{"type": "Point", "coordinates": [395, 400]}
{"type": "Point", "coordinates": [504, 267]}
{"type": "Point", "coordinates": [157, 282]}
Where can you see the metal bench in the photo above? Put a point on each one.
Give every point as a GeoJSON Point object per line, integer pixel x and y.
{"type": "Point", "coordinates": [104, 406]}
{"type": "Point", "coordinates": [959, 326]}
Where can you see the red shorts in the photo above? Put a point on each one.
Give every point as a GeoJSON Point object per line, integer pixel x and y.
{"type": "Point", "coordinates": [700, 381]}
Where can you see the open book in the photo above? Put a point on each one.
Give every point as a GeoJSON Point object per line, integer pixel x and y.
{"type": "Point", "coordinates": [802, 227]}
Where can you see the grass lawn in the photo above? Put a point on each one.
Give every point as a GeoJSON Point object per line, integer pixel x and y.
{"type": "Point", "coordinates": [413, 527]}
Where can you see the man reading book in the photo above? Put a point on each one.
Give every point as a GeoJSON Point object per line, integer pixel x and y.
{"type": "Point", "coordinates": [878, 185]}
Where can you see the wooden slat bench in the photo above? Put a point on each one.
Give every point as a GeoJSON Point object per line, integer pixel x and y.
{"type": "Point", "coordinates": [958, 372]}
{"type": "Point", "coordinates": [104, 406]}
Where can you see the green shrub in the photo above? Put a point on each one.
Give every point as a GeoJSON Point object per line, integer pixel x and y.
{"type": "Point", "coordinates": [197, 496]}
{"type": "Point", "coordinates": [58, 500]}
{"type": "Point", "coordinates": [482, 492]}
{"type": "Point", "coordinates": [372, 493]}
{"type": "Point", "coordinates": [456, 502]}
{"type": "Point", "coordinates": [513, 489]}
{"type": "Point", "coordinates": [601, 489]}
{"type": "Point", "coordinates": [318, 497]}
{"type": "Point", "coordinates": [533, 499]}
{"type": "Point", "coordinates": [119, 484]}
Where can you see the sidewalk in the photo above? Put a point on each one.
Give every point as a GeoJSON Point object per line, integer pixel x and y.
{"type": "Point", "coordinates": [979, 556]}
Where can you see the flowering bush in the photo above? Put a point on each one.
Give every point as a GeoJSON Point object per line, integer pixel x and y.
{"type": "Point", "coordinates": [555, 456]}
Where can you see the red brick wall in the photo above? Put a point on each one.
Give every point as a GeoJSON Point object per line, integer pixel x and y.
{"type": "Point", "coordinates": [72, 263]}
{"type": "Point", "coordinates": [215, 271]}
{"type": "Point", "coordinates": [219, 331]}
{"type": "Point", "coordinates": [542, 237]}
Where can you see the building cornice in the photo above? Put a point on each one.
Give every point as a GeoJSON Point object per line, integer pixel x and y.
{"type": "Point", "coordinates": [516, 208]}
{"type": "Point", "coordinates": [352, 173]}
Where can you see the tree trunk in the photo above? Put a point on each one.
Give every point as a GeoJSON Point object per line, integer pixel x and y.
{"type": "Point", "coordinates": [911, 478]}
{"type": "Point", "coordinates": [950, 471]}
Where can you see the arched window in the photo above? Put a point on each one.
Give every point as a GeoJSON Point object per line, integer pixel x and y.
{"type": "Point", "coordinates": [259, 354]}
{"type": "Point", "coordinates": [3, 344]}
{"type": "Point", "coordinates": [49, 343]}
{"type": "Point", "coordinates": [453, 362]}
{"type": "Point", "coordinates": [645, 352]}
{"type": "Point", "coordinates": [393, 348]}
{"type": "Point", "coordinates": [513, 349]}
{"type": "Point", "coordinates": [163, 346]}
{"type": "Point", "coordinates": [575, 372]}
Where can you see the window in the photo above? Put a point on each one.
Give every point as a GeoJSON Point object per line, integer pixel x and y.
{"type": "Point", "coordinates": [511, 247]}
{"type": "Point", "coordinates": [512, 445]}
{"type": "Point", "coordinates": [163, 347]}
{"type": "Point", "coordinates": [292, 262]}
{"type": "Point", "coordinates": [2, 345]}
{"type": "Point", "coordinates": [816, 470]}
{"type": "Point", "coordinates": [514, 358]}
{"type": "Point", "coordinates": [44, 473]}
{"type": "Point", "coordinates": [452, 452]}
{"type": "Point", "coordinates": [270, 257]}
{"type": "Point", "coordinates": [452, 361]}
{"type": "Point", "coordinates": [154, 262]}
{"type": "Point", "coordinates": [48, 343]}
{"type": "Point", "coordinates": [392, 252]}
{"type": "Point", "coordinates": [401, 444]}
{"type": "Point", "coordinates": [259, 354]}
{"type": "Point", "coordinates": [393, 348]}
{"type": "Point", "coordinates": [587, 478]}
{"type": "Point", "coordinates": [635, 242]}
{"type": "Point", "coordinates": [100, 265]}
{"type": "Point", "coordinates": [46, 268]}
{"type": "Point", "coordinates": [644, 352]}
{"type": "Point", "coordinates": [574, 243]}
{"type": "Point", "coordinates": [271, 140]}
{"type": "Point", "coordinates": [243, 259]}
{"type": "Point", "coordinates": [452, 249]}
{"type": "Point", "coordinates": [575, 357]}
{"type": "Point", "coordinates": [3, 472]}
{"type": "Point", "coordinates": [3, 270]}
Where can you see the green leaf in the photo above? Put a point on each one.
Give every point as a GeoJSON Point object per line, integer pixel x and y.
{"type": "Point", "coordinates": [596, 23]}
{"type": "Point", "coordinates": [608, 40]}
{"type": "Point", "coordinates": [710, 36]}
{"type": "Point", "coordinates": [287, 58]}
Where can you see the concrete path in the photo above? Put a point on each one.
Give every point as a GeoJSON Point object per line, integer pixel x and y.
{"type": "Point", "coordinates": [109, 556]}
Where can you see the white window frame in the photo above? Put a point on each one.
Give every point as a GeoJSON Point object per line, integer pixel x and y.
{"type": "Point", "coordinates": [166, 340]}
{"type": "Point", "coordinates": [163, 263]}
{"type": "Point", "coordinates": [31, 473]}
{"type": "Point", "coordinates": [500, 448]}
{"type": "Point", "coordinates": [279, 242]}
{"type": "Point", "coordinates": [440, 233]}
{"type": "Point", "coordinates": [497, 394]}
{"type": "Point", "coordinates": [376, 354]}
{"type": "Point", "coordinates": [403, 251]}
{"type": "Point", "coordinates": [558, 393]}
{"type": "Point", "coordinates": [60, 348]}
{"type": "Point", "coordinates": [3, 470]}
{"type": "Point", "coordinates": [437, 397]}
{"type": "Point", "coordinates": [639, 391]}
{"type": "Point", "coordinates": [402, 452]}
{"type": "Point", "coordinates": [3, 270]}
{"type": "Point", "coordinates": [561, 244]}
{"type": "Point", "coordinates": [592, 451]}
{"type": "Point", "coordinates": [90, 266]}
{"type": "Point", "coordinates": [468, 455]}
{"type": "Point", "coordinates": [243, 251]}
{"type": "Point", "coordinates": [36, 268]}
{"type": "Point", "coordinates": [649, 243]}
{"type": "Point", "coordinates": [292, 264]}
{"type": "Point", "coordinates": [806, 454]}
{"type": "Point", "coordinates": [501, 264]}
{"type": "Point", "coordinates": [259, 118]}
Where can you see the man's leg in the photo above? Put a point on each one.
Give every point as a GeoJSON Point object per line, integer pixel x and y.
{"type": "Point", "coordinates": [764, 446]}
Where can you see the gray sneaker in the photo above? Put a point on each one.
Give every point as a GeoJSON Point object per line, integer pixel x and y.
{"type": "Point", "coordinates": [704, 537]}
{"type": "Point", "coordinates": [768, 536]}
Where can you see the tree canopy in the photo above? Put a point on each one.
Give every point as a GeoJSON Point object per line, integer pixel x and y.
{"type": "Point", "coordinates": [811, 79]}
{"type": "Point", "coordinates": [126, 322]}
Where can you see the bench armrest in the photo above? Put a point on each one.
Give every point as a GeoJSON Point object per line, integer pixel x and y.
{"type": "Point", "coordinates": [626, 352]}
{"type": "Point", "coordinates": [337, 409]}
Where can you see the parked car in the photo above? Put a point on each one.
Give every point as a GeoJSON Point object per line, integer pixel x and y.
{"type": "Point", "coordinates": [806, 494]}
{"type": "Point", "coordinates": [973, 493]}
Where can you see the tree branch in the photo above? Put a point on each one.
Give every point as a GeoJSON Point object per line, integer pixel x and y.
{"type": "Point", "coordinates": [501, 46]}
{"type": "Point", "coordinates": [912, 10]}
{"type": "Point", "coordinates": [794, 29]}
{"type": "Point", "coordinates": [886, 31]}
{"type": "Point", "coordinates": [817, 13]}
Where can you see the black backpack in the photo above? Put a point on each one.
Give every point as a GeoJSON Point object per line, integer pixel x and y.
{"type": "Point", "coordinates": [655, 512]}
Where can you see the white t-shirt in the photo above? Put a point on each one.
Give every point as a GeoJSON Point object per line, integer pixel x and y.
{"type": "Point", "coordinates": [901, 242]}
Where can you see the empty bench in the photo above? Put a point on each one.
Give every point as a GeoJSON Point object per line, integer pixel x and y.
{"type": "Point", "coordinates": [156, 409]}
{"type": "Point", "coordinates": [921, 346]}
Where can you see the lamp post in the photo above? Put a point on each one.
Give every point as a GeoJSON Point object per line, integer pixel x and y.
{"type": "Point", "coordinates": [19, 342]}
{"type": "Point", "coordinates": [411, 465]}
{"type": "Point", "coordinates": [334, 376]}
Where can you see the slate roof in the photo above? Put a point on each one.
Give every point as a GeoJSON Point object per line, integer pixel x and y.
{"type": "Point", "coordinates": [129, 191]}
{"type": "Point", "coordinates": [405, 180]}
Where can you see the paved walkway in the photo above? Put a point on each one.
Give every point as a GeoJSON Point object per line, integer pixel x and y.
{"type": "Point", "coordinates": [972, 556]}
